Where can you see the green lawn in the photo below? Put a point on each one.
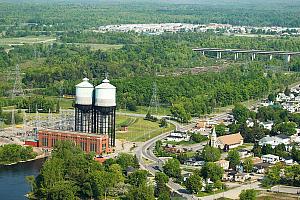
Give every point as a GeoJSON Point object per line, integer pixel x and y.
{"type": "Point", "coordinates": [139, 130]}
{"type": "Point", "coordinates": [26, 40]}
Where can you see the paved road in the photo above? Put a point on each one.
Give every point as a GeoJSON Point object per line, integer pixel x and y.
{"type": "Point", "coordinates": [233, 193]}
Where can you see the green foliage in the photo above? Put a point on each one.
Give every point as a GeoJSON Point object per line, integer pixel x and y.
{"type": "Point", "coordinates": [194, 183]}
{"type": "Point", "coordinates": [248, 165]}
{"type": "Point", "coordinates": [172, 168]}
{"type": "Point", "coordinates": [286, 128]}
{"type": "Point", "coordinates": [143, 191]}
{"type": "Point", "coordinates": [138, 178]}
{"type": "Point", "coordinates": [126, 160]}
{"type": "Point", "coordinates": [72, 174]}
{"type": "Point", "coordinates": [267, 149]}
{"type": "Point", "coordinates": [196, 137]}
{"type": "Point", "coordinates": [161, 189]}
{"type": "Point", "coordinates": [250, 194]}
{"type": "Point", "coordinates": [210, 154]}
{"type": "Point", "coordinates": [213, 171]}
{"type": "Point", "coordinates": [240, 113]}
{"type": "Point", "coordinates": [11, 153]}
{"type": "Point", "coordinates": [234, 158]}
{"type": "Point", "coordinates": [272, 177]}
{"type": "Point", "coordinates": [220, 129]}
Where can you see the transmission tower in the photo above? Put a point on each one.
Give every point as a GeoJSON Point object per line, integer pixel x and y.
{"type": "Point", "coordinates": [154, 102]}
{"type": "Point", "coordinates": [17, 91]}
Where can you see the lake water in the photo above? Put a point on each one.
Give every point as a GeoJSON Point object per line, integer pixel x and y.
{"type": "Point", "coordinates": [13, 185]}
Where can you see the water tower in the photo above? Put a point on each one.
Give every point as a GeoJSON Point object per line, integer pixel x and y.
{"type": "Point", "coordinates": [105, 110]}
{"type": "Point", "coordinates": [84, 106]}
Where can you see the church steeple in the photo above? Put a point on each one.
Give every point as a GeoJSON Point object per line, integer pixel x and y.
{"type": "Point", "coordinates": [213, 138]}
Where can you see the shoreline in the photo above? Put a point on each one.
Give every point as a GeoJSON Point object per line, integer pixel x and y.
{"type": "Point", "coordinates": [25, 161]}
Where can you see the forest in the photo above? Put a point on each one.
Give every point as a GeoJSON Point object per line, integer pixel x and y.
{"type": "Point", "coordinates": [54, 69]}
{"type": "Point", "coordinates": [17, 17]}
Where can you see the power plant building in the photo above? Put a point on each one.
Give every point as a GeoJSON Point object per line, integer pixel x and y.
{"type": "Point", "coordinates": [95, 109]}
{"type": "Point", "coordinates": [95, 114]}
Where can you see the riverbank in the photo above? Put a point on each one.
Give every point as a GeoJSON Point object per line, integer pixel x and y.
{"type": "Point", "coordinates": [29, 160]}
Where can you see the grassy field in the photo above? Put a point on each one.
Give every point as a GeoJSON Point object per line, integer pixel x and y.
{"type": "Point", "coordinates": [95, 47]}
{"type": "Point", "coordinates": [275, 196]}
{"type": "Point", "coordinates": [139, 130]}
{"type": "Point", "coordinates": [26, 40]}
{"type": "Point", "coordinates": [144, 110]}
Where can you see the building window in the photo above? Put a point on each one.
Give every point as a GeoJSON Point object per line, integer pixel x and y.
{"type": "Point", "coordinates": [45, 142]}
{"type": "Point", "coordinates": [93, 147]}
{"type": "Point", "coordinates": [103, 147]}
{"type": "Point", "coordinates": [54, 141]}
{"type": "Point", "coordinates": [83, 146]}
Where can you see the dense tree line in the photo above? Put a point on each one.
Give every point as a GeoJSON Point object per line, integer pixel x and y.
{"type": "Point", "coordinates": [11, 153]}
{"type": "Point", "coordinates": [48, 17]}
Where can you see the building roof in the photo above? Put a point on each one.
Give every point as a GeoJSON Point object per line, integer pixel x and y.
{"type": "Point", "coordinates": [201, 124]}
{"type": "Point", "coordinates": [231, 139]}
{"type": "Point", "coordinates": [282, 136]}
{"type": "Point", "coordinates": [222, 162]}
{"type": "Point", "coordinates": [85, 84]}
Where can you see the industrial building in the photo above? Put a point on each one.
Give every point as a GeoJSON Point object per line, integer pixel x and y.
{"type": "Point", "coordinates": [87, 142]}
{"type": "Point", "coordinates": [95, 109]}
{"type": "Point", "coordinates": [94, 120]}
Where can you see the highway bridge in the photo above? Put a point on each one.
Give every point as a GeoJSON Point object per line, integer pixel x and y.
{"type": "Point", "coordinates": [219, 51]}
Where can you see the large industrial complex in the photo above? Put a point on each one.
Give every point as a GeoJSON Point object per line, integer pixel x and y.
{"type": "Point", "coordinates": [94, 120]}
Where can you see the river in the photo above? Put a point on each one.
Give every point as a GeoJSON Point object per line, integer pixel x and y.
{"type": "Point", "coordinates": [13, 185]}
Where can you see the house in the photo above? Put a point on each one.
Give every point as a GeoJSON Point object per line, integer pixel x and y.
{"type": "Point", "coordinates": [235, 176]}
{"type": "Point", "coordinates": [269, 158]}
{"type": "Point", "coordinates": [241, 177]}
{"type": "Point", "coordinates": [274, 140]}
{"type": "Point", "coordinates": [227, 142]}
{"type": "Point", "coordinates": [223, 163]}
{"type": "Point", "coordinates": [260, 168]}
{"type": "Point", "coordinates": [267, 125]}
{"type": "Point", "coordinates": [178, 137]}
{"type": "Point", "coordinates": [201, 125]}
{"type": "Point", "coordinates": [244, 153]}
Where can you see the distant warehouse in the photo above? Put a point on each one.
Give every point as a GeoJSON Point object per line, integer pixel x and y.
{"type": "Point", "coordinates": [87, 142]}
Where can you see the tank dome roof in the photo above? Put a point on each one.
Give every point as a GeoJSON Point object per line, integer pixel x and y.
{"type": "Point", "coordinates": [105, 85]}
{"type": "Point", "coordinates": [85, 84]}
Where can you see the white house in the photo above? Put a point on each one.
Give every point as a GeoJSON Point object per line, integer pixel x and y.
{"type": "Point", "coordinates": [178, 137]}
{"type": "Point", "coordinates": [274, 140]}
{"type": "Point", "coordinates": [267, 125]}
{"type": "Point", "coordinates": [269, 158]}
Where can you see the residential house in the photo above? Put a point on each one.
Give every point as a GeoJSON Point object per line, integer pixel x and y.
{"type": "Point", "coordinates": [269, 158]}
{"type": "Point", "coordinates": [244, 153]}
{"type": "Point", "coordinates": [178, 137]}
{"type": "Point", "coordinates": [274, 140]}
{"type": "Point", "coordinates": [223, 163]}
{"type": "Point", "coordinates": [267, 125]}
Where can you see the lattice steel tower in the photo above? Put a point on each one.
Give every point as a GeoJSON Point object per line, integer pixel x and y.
{"type": "Point", "coordinates": [17, 91]}
{"type": "Point", "coordinates": [154, 102]}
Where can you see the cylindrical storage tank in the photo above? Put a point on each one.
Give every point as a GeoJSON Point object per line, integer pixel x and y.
{"type": "Point", "coordinates": [84, 93]}
{"type": "Point", "coordinates": [105, 94]}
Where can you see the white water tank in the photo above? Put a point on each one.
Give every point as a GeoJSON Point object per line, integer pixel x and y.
{"type": "Point", "coordinates": [105, 94]}
{"type": "Point", "coordinates": [84, 92]}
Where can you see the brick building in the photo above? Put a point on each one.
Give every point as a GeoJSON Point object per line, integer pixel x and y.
{"type": "Point", "coordinates": [86, 141]}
